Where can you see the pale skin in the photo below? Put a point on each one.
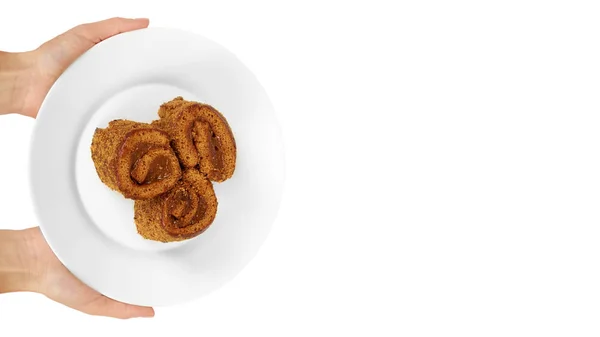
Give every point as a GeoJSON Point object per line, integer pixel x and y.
{"type": "Point", "coordinates": [26, 261]}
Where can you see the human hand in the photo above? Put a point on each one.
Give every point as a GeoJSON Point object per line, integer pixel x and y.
{"type": "Point", "coordinates": [35, 72]}
{"type": "Point", "coordinates": [50, 278]}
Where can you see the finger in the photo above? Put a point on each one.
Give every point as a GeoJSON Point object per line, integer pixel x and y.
{"type": "Point", "coordinates": [105, 306]}
{"type": "Point", "coordinates": [102, 30]}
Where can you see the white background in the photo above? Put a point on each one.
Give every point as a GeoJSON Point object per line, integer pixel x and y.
{"type": "Point", "coordinates": [443, 168]}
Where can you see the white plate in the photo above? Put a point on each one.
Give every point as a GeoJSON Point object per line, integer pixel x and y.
{"type": "Point", "coordinates": [91, 228]}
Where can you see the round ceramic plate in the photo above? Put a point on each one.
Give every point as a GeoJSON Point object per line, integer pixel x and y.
{"type": "Point", "coordinates": [91, 228]}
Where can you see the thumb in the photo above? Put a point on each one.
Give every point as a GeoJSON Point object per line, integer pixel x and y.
{"type": "Point", "coordinates": [102, 30]}
{"type": "Point", "coordinates": [105, 306]}
{"type": "Point", "coordinates": [57, 54]}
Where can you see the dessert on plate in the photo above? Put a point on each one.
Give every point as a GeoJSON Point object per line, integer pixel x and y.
{"type": "Point", "coordinates": [168, 167]}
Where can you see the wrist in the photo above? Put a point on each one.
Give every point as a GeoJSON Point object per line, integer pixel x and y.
{"type": "Point", "coordinates": [14, 81]}
{"type": "Point", "coordinates": [17, 261]}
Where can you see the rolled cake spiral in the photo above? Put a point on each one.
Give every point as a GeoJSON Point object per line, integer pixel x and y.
{"type": "Point", "coordinates": [135, 159]}
{"type": "Point", "coordinates": [201, 136]}
{"type": "Point", "coordinates": [182, 213]}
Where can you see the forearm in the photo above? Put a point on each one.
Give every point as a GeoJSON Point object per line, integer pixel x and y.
{"type": "Point", "coordinates": [13, 81]}
{"type": "Point", "coordinates": [16, 261]}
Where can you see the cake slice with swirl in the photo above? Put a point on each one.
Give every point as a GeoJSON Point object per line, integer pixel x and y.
{"type": "Point", "coordinates": [135, 159]}
{"type": "Point", "coordinates": [184, 212]}
{"type": "Point", "coordinates": [201, 136]}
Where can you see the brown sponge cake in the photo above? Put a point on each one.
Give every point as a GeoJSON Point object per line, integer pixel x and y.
{"type": "Point", "coordinates": [135, 159]}
{"type": "Point", "coordinates": [201, 136]}
{"type": "Point", "coordinates": [184, 212]}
